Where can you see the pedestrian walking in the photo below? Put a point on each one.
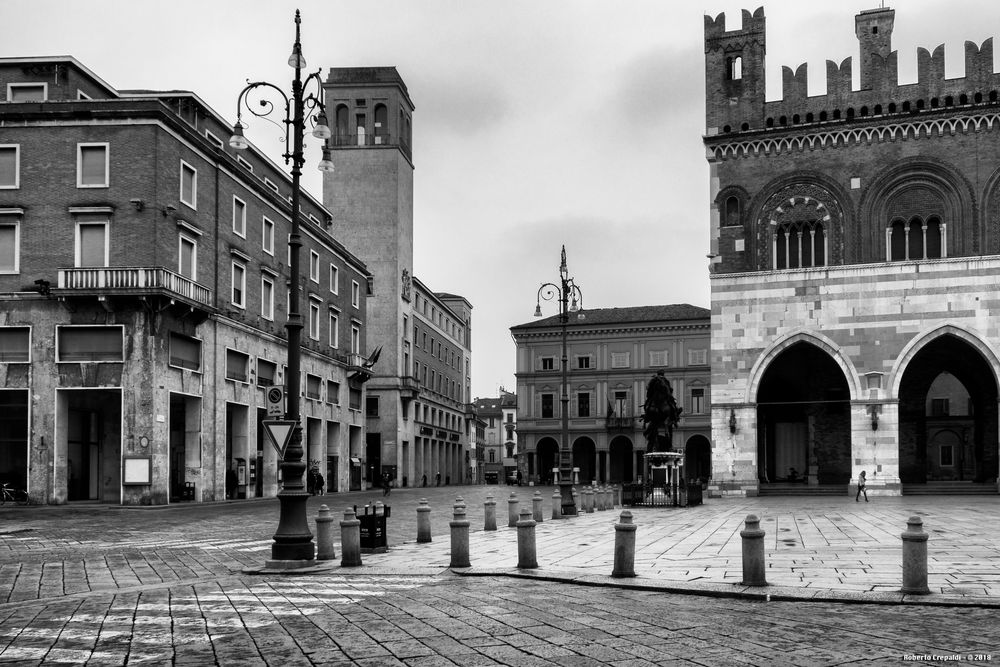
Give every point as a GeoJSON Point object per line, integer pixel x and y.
{"type": "Point", "coordinates": [424, 480]}
{"type": "Point", "coordinates": [861, 488]}
{"type": "Point", "coordinates": [386, 484]}
{"type": "Point", "coordinates": [437, 479]}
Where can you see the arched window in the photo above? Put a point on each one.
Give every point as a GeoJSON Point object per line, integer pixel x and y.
{"type": "Point", "coordinates": [341, 127]}
{"type": "Point", "coordinates": [734, 68]}
{"type": "Point", "coordinates": [381, 123]}
{"type": "Point", "coordinates": [800, 244]}
{"type": "Point", "coordinates": [915, 239]}
{"type": "Point", "coordinates": [732, 212]}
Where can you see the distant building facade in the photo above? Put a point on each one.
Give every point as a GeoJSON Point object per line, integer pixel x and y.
{"type": "Point", "coordinates": [612, 353]}
{"type": "Point", "coordinates": [143, 282]}
{"type": "Point", "coordinates": [500, 455]}
{"type": "Point", "coordinates": [419, 420]}
{"type": "Point", "coordinates": [854, 261]}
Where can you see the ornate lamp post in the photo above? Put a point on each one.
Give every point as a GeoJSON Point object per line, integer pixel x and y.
{"type": "Point", "coordinates": [292, 540]}
{"type": "Point", "coordinates": [570, 299]}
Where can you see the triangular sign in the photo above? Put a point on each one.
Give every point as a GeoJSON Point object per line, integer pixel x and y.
{"type": "Point", "coordinates": [279, 432]}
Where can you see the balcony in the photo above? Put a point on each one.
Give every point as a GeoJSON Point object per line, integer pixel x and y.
{"type": "Point", "coordinates": [618, 423]}
{"type": "Point", "coordinates": [119, 281]}
{"type": "Point", "coordinates": [409, 387]}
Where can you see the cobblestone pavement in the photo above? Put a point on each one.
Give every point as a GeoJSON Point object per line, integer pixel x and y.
{"type": "Point", "coordinates": [86, 584]}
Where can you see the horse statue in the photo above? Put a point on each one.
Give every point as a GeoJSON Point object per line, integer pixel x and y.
{"type": "Point", "coordinates": [659, 411]}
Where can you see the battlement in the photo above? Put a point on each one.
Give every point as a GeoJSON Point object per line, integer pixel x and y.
{"type": "Point", "coordinates": [735, 95]}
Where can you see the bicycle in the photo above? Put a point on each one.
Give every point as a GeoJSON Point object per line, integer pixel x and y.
{"type": "Point", "coordinates": [7, 492]}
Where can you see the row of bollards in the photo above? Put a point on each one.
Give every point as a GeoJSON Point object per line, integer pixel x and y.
{"type": "Point", "coordinates": [914, 555]}
{"type": "Point", "coordinates": [754, 563]}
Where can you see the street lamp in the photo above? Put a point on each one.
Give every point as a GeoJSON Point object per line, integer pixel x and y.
{"type": "Point", "coordinates": [292, 540]}
{"type": "Point", "coordinates": [570, 299]}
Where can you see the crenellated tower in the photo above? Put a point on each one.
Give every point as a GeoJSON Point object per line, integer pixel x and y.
{"type": "Point", "coordinates": [734, 72]}
{"type": "Point", "coordinates": [874, 30]}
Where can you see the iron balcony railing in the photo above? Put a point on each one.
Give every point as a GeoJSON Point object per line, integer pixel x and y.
{"type": "Point", "coordinates": [133, 280]}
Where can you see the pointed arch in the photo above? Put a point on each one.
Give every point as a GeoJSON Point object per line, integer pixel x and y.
{"type": "Point", "coordinates": [920, 341]}
{"type": "Point", "coordinates": [803, 336]}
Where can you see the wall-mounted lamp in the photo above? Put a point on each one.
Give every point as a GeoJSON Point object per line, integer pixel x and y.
{"type": "Point", "coordinates": [875, 410]}
{"type": "Point", "coordinates": [732, 420]}
{"type": "Point", "coordinates": [138, 204]}
{"type": "Point", "coordinates": [168, 210]}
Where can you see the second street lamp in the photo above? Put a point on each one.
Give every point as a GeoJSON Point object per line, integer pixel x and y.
{"type": "Point", "coordinates": [570, 299]}
{"type": "Point", "coordinates": [293, 543]}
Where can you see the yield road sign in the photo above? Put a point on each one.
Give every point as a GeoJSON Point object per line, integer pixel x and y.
{"type": "Point", "coordinates": [279, 432]}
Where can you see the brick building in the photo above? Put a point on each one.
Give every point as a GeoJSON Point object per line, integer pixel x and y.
{"type": "Point", "coordinates": [419, 420]}
{"type": "Point", "coordinates": [611, 354]}
{"type": "Point", "coordinates": [854, 262]}
{"type": "Point", "coordinates": [143, 281]}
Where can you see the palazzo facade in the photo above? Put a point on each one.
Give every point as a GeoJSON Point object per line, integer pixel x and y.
{"type": "Point", "coordinates": [855, 253]}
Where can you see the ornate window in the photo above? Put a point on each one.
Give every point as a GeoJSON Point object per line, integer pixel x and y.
{"type": "Point", "coordinates": [915, 239]}
{"type": "Point", "coordinates": [800, 244]}
{"type": "Point", "coordinates": [800, 226]}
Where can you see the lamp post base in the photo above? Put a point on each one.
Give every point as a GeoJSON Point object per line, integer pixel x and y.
{"type": "Point", "coordinates": [293, 541]}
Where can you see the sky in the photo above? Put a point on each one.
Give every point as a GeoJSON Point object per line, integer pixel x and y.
{"type": "Point", "coordinates": [538, 123]}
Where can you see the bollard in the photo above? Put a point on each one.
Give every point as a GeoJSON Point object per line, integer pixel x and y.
{"type": "Point", "coordinates": [602, 499]}
{"type": "Point", "coordinates": [616, 499]}
{"type": "Point", "coordinates": [350, 539]}
{"type": "Point", "coordinates": [624, 546]}
{"type": "Point", "coordinates": [459, 538]}
{"type": "Point", "coordinates": [423, 521]}
{"type": "Point", "coordinates": [461, 501]}
{"type": "Point", "coordinates": [324, 535]}
{"type": "Point", "coordinates": [587, 503]}
{"type": "Point", "coordinates": [753, 553]}
{"type": "Point", "coordinates": [536, 505]}
{"type": "Point", "coordinates": [512, 510]}
{"type": "Point", "coordinates": [557, 505]}
{"type": "Point", "coordinates": [526, 541]}
{"type": "Point", "coordinates": [915, 558]}
{"type": "Point", "coordinates": [490, 511]}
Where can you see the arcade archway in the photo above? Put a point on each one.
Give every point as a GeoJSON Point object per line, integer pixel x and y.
{"type": "Point", "coordinates": [803, 419]}
{"type": "Point", "coordinates": [584, 455]}
{"type": "Point", "coordinates": [947, 415]}
{"type": "Point", "coordinates": [548, 458]}
{"type": "Point", "coordinates": [621, 458]}
{"type": "Point", "coordinates": [698, 458]}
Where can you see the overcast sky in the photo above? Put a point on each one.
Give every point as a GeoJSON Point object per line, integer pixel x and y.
{"type": "Point", "coordinates": [538, 123]}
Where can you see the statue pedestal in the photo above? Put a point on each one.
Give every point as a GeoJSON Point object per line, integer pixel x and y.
{"type": "Point", "coordinates": [663, 472]}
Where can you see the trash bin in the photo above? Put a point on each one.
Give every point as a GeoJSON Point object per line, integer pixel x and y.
{"type": "Point", "coordinates": [373, 536]}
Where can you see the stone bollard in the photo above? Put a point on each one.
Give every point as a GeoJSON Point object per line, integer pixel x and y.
{"type": "Point", "coordinates": [423, 521]}
{"type": "Point", "coordinates": [350, 539]}
{"type": "Point", "coordinates": [512, 510]}
{"type": "Point", "coordinates": [609, 497]}
{"type": "Point", "coordinates": [536, 507]}
{"type": "Point", "coordinates": [602, 495]}
{"type": "Point", "coordinates": [526, 558]}
{"type": "Point", "coordinates": [624, 546]}
{"type": "Point", "coordinates": [915, 558]}
{"type": "Point", "coordinates": [586, 500]}
{"type": "Point", "coordinates": [461, 501]}
{"type": "Point", "coordinates": [459, 538]}
{"type": "Point", "coordinates": [616, 498]}
{"type": "Point", "coordinates": [753, 553]}
{"type": "Point", "coordinates": [324, 535]}
{"type": "Point", "coordinates": [490, 512]}
{"type": "Point", "coordinates": [557, 505]}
